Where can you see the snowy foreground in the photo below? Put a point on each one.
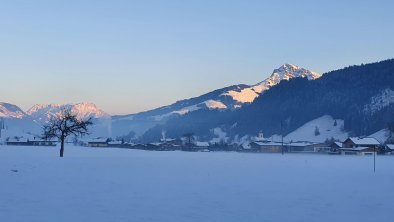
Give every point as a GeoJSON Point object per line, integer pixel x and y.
{"type": "Point", "coordinates": [131, 185]}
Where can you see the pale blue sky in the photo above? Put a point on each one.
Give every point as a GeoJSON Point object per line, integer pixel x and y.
{"type": "Point", "coordinates": [130, 56]}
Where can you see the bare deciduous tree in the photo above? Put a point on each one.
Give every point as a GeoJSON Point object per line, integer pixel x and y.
{"type": "Point", "coordinates": [63, 125]}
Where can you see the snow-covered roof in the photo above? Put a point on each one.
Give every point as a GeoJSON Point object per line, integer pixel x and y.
{"type": "Point", "coordinates": [390, 146]}
{"type": "Point", "coordinates": [202, 144]}
{"type": "Point", "coordinates": [98, 140]}
{"type": "Point", "coordinates": [381, 135]}
{"type": "Point", "coordinates": [37, 139]}
{"type": "Point", "coordinates": [339, 144]}
{"type": "Point", "coordinates": [268, 143]}
{"type": "Point", "coordinates": [155, 144]}
{"type": "Point", "coordinates": [137, 144]}
{"type": "Point", "coordinates": [301, 144]}
{"type": "Point", "coordinates": [115, 143]}
{"type": "Point", "coordinates": [20, 139]}
{"type": "Point", "coordinates": [364, 141]}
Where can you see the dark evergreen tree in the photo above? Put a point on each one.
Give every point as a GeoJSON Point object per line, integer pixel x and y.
{"type": "Point", "coordinates": [317, 131]}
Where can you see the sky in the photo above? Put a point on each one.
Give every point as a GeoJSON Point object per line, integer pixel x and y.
{"type": "Point", "coordinates": [132, 56]}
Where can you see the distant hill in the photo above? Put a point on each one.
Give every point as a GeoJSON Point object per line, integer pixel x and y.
{"type": "Point", "coordinates": [361, 96]}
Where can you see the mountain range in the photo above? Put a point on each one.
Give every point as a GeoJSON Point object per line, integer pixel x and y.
{"type": "Point", "coordinates": [360, 97]}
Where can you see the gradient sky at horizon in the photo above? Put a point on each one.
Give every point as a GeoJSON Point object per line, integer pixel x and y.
{"type": "Point", "coordinates": [130, 56]}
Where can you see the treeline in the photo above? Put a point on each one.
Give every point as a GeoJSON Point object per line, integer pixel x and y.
{"type": "Point", "coordinates": [343, 94]}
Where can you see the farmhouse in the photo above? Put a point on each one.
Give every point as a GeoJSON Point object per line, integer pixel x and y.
{"type": "Point", "coordinates": [390, 148]}
{"type": "Point", "coordinates": [98, 142]}
{"type": "Point", "coordinates": [304, 147]}
{"type": "Point", "coordinates": [18, 141]}
{"type": "Point", "coordinates": [201, 146]}
{"type": "Point", "coordinates": [335, 148]}
{"type": "Point", "coordinates": [360, 146]}
{"type": "Point", "coordinates": [41, 142]}
{"type": "Point", "coordinates": [353, 142]}
{"type": "Point", "coordinates": [266, 146]}
{"type": "Point", "coordinates": [115, 143]}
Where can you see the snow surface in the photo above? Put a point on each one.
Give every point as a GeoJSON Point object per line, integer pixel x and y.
{"type": "Point", "coordinates": [326, 129]}
{"type": "Point", "coordinates": [214, 104]}
{"type": "Point", "coordinates": [246, 95]}
{"type": "Point", "coordinates": [93, 184]}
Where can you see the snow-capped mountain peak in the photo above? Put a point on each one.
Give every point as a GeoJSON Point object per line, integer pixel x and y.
{"type": "Point", "coordinates": [284, 72]}
{"type": "Point", "coordinates": [83, 110]}
{"type": "Point", "coordinates": [86, 109]}
{"type": "Point", "coordinates": [8, 110]}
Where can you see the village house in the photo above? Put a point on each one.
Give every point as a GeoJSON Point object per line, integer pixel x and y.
{"type": "Point", "coordinates": [98, 142]}
{"type": "Point", "coordinates": [154, 146]}
{"type": "Point", "coordinates": [360, 146]}
{"type": "Point", "coordinates": [335, 148]}
{"type": "Point", "coordinates": [267, 147]}
{"type": "Point", "coordinates": [35, 141]}
{"type": "Point", "coordinates": [115, 143]}
{"type": "Point", "coordinates": [390, 148]}
{"type": "Point", "coordinates": [41, 142]}
{"type": "Point", "coordinates": [302, 147]}
{"type": "Point", "coordinates": [201, 146]}
{"type": "Point", "coordinates": [18, 141]}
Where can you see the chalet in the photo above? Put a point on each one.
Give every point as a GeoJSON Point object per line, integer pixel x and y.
{"type": "Point", "coordinates": [171, 144]}
{"type": "Point", "coordinates": [266, 147]}
{"type": "Point", "coordinates": [41, 142]}
{"type": "Point", "coordinates": [302, 147]}
{"type": "Point", "coordinates": [174, 142]}
{"type": "Point", "coordinates": [390, 148]}
{"type": "Point", "coordinates": [115, 144]}
{"type": "Point", "coordinates": [201, 146]}
{"type": "Point", "coordinates": [360, 146]}
{"type": "Point", "coordinates": [322, 147]}
{"type": "Point", "coordinates": [18, 141]}
{"type": "Point", "coordinates": [335, 148]}
{"type": "Point", "coordinates": [353, 142]}
{"type": "Point", "coordinates": [98, 142]}
{"type": "Point", "coordinates": [336, 145]}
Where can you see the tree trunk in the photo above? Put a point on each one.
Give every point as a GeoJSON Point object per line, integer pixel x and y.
{"type": "Point", "coordinates": [62, 147]}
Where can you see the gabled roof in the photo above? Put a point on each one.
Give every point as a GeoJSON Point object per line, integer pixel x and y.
{"type": "Point", "coordinates": [339, 144]}
{"type": "Point", "coordinates": [390, 146]}
{"type": "Point", "coordinates": [301, 144]}
{"type": "Point", "coordinates": [98, 140]}
{"type": "Point", "coordinates": [364, 141]}
{"type": "Point", "coordinates": [202, 144]}
{"type": "Point", "coordinates": [37, 139]}
{"type": "Point", "coordinates": [268, 143]}
{"type": "Point", "coordinates": [18, 139]}
{"type": "Point", "coordinates": [155, 144]}
{"type": "Point", "coordinates": [115, 143]}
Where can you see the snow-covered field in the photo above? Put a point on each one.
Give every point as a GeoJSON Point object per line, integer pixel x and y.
{"type": "Point", "coordinates": [132, 185]}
